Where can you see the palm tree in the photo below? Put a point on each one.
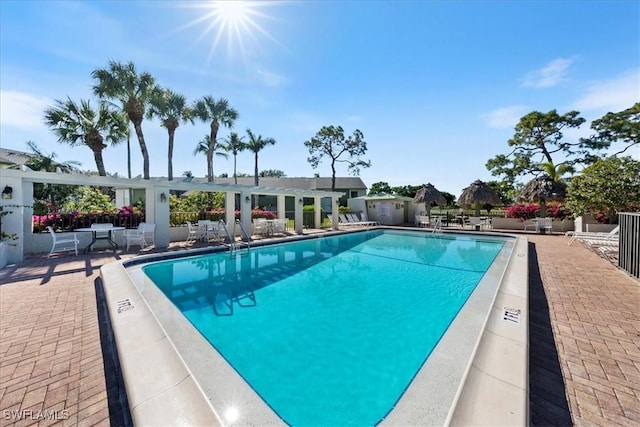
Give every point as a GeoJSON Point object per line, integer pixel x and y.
{"type": "Point", "coordinates": [235, 144]}
{"type": "Point", "coordinates": [556, 172]}
{"type": "Point", "coordinates": [256, 144]}
{"type": "Point", "coordinates": [171, 108]}
{"type": "Point", "coordinates": [80, 124]}
{"type": "Point", "coordinates": [205, 145]}
{"type": "Point", "coordinates": [134, 91]}
{"type": "Point", "coordinates": [218, 113]}
{"type": "Point", "coordinates": [41, 161]}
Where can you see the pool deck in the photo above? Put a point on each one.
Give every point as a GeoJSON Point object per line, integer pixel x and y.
{"type": "Point", "coordinates": [58, 363]}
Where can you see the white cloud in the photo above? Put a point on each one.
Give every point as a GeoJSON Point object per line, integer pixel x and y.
{"type": "Point", "coordinates": [550, 75]}
{"type": "Point", "coordinates": [22, 110]}
{"type": "Point", "coordinates": [507, 117]}
{"type": "Point", "coordinates": [614, 95]}
{"type": "Point", "coordinates": [271, 79]}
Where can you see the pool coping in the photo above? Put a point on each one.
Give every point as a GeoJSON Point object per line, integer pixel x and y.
{"type": "Point", "coordinates": [161, 381]}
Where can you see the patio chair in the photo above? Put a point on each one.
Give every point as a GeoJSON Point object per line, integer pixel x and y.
{"type": "Point", "coordinates": [593, 243]}
{"type": "Point", "coordinates": [280, 226]}
{"type": "Point", "coordinates": [593, 235]}
{"type": "Point", "coordinates": [203, 225]}
{"type": "Point", "coordinates": [149, 232]}
{"type": "Point", "coordinates": [193, 233]}
{"type": "Point", "coordinates": [475, 222]}
{"type": "Point", "coordinates": [260, 226]}
{"type": "Point", "coordinates": [544, 224]}
{"type": "Point", "coordinates": [609, 252]}
{"type": "Point", "coordinates": [135, 236]}
{"type": "Point", "coordinates": [365, 218]}
{"type": "Point", "coordinates": [343, 220]}
{"type": "Point", "coordinates": [63, 244]}
{"type": "Point", "coordinates": [423, 221]}
{"type": "Point", "coordinates": [212, 231]}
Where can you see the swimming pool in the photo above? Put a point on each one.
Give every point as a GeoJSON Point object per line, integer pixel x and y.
{"type": "Point", "coordinates": [326, 330]}
{"type": "Point", "coordinates": [346, 320]}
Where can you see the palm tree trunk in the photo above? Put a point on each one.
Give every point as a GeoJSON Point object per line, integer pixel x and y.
{"type": "Point", "coordinates": [97, 155]}
{"type": "Point", "coordinates": [255, 171]}
{"type": "Point", "coordinates": [143, 148]}
{"type": "Point", "coordinates": [170, 155]}
{"type": "Point", "coordinates": [212, 147]}
{"type": "Point", "coordinates": [129, 155]}
{"type": "Point", "coordinates": [210, 163]}
{"type": "Point", "coordinates": [235, 175]}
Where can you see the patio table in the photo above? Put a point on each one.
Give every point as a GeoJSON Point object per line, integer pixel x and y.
{"type": "Point", "coordinates": [94, 236]}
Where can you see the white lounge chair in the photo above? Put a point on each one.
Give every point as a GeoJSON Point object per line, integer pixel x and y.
{"type": "Point", "coordinates": [422, 220]}
{"type": "Point", "coordinates": [582, 235]}
{"type": "Point", "coordinates": [365, 218]}
{"type": "Point", "coordinates": [344, 220]}
{"type": "Point", "coordinates": [63, 244]}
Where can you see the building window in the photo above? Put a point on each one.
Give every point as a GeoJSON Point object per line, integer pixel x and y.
{"type": "Point", "coordinates": [354, 194]}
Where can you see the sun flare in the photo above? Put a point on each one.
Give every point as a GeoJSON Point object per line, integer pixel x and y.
{"type": "Point", "coordinates": [231, 12]}
{"type": "Point", "coordinates": [232, 22]}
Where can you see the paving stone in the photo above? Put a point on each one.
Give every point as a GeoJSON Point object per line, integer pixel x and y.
{"type": "Point", "coordinates": [584, 327]}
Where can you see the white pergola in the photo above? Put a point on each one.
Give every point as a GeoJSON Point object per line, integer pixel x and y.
{"type": "Point", "coordinates": [156, 207]}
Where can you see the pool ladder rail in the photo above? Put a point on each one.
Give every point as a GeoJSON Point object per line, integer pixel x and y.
{"type": "Point", "coordinates": [437, 227]}
{"type": "Point", "coordinates": [233, 245]}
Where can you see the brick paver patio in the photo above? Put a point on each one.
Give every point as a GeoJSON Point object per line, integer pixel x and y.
{"type": "Point", "coordinates": [57, 362]}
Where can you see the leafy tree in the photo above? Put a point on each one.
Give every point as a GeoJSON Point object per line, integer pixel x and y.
{"type": "Point", "coordinates": [610, 185]}
{"type": "Point", "coordinates": [217, 112]}
{"type": "Point", "coordinates": [92, 200]}
{"type": "Point", "coordinates": [450, 198]}
{"type": "Point", "coordinates": [197, 201]}
{"type": "Point", "coordinates": [380, 187]}
{"type": "Point", "coordinates": [623, 126]}
{"type": "Point", "coordinates": [256, 144]}
{"type": "Point", "coordinates": [134, 91]}
{"type": "Point", "coordinates": [331, 142]}
{"type": "Point", "coordinates": [407, 190]}
{"type": "Point", "coordinates": [187, 174]}
{"type": "Point", "coordinates": [539, 139]}
{"type": "Point", "coordinates": [505, 190]}
{"type": "Point", "coordinates": [234, 144]}
{"type": "Point", "coordinates": [77, 125]}
{"type": "Point", "coordinates": [272, 173]}
{"type": "Point", "coordinates": [171, 108]}
{"type": "Point", "coordinates": [204, 146]}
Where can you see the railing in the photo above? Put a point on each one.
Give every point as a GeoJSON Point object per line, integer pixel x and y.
{"type": "Point", "coordinates": [69, 222]}
{"type": "Point", "coordinates": [629, 245]}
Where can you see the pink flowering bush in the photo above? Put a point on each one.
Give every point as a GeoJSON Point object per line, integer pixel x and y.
{"type": "Point", "coordinates": [532, 210]}
{"type": "Point", "coordinates": [127, 216]}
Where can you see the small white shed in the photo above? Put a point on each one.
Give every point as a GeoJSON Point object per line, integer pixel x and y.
{"type": "Point", "coordinates": [388, 209]}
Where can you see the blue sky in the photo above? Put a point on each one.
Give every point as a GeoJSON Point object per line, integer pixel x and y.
{"type": "Point", "coordinates": [436, 87]}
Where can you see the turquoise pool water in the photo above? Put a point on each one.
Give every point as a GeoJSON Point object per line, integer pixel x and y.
{"type": "Point", "coordinates": [329, 331]}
